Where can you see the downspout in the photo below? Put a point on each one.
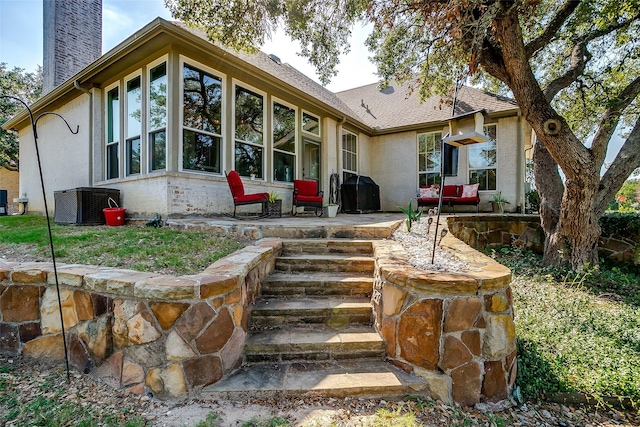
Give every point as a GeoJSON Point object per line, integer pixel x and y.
{"type": "Point", "coordinates": [339, 141]}
{"type": "Point", "coordinates": [520, 165]}
{"type": "Point", "coordinates": [90, 162]}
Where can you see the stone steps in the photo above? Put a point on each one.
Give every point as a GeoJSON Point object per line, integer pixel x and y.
{"type": "Point", "coordinates": [325, 263]}
{"type": "Point", "coordinates": [326, 246]}
{"type": "Point", "coordinates": [313, 344]}
{"type": "Point", "coordinates": [317, 284]}
{"type": "Point", "coordinates": [269, 312]}
{"type": "Point", "coordinates": [351, 377]}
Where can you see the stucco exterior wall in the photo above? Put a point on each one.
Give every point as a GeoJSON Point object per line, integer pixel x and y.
{"type": "Point", "coordinates": [64, 156]}
{"type": "Point", "coordinates": [508, 158]}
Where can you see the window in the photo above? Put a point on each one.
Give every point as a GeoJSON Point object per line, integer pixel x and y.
{"type": "Point", "coordinates": [482, 161]}
{"type": "Point", "coordinates": [158, 117]}
{"type": "Point", "coordinates": [429, 146]}
{"type": "Point", "coordinates": [349, 155]}
{"type": "Point", "coordinates": [284, 142]}
{"type": "Point", "coordinates": [113, 133]}
{"type": "Point", "coordinates": [202, 120]}
{"type": "Point", "coordinates": [134, 125]}
{"type": "Point", "coordinates": [310, 123]}
{"type": "Point", "coordinates": [249, 128]}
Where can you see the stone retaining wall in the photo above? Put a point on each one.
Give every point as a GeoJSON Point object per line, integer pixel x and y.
{"type": "Point", "coordinates": [455, 330]}
{"type": "Point", "coordinates": [481, 231]}
{"type": "Point", "coordinates": [141, 331]}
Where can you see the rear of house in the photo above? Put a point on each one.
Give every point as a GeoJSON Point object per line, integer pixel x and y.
{"type": "Point", "coordinates": [164, 114]}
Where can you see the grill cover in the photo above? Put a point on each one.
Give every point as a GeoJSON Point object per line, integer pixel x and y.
{"type": "Point", "coordinates": [83, 205]}
{"type": "Point", "coordinates": [360, 194]}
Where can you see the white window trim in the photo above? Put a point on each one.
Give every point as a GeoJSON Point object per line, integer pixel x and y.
{"type": "Point", "coordinates": [181, 127]}
{"type": "Point", "coordinates": [298, 140]}
{"type": "Point", "coordinates": [147, 127]}
{"type": "Point", "coordinates": [265, 104]}
{"type": "Point", "coordinates": [125, 124]}
{"type": "Point", "coordinates": [344, 169]}
{"type": "Point", "coordinates": [469, 168]}
{"type": "Point", "coordinates": [428, 171]}
{"type": "Point", "coordinates": [106, 130]}
{"type": "Point", "coordinates": [319, 134]}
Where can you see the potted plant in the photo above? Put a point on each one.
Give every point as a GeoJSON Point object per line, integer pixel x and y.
{"type": "Point", "coordinates": [498, 201]}
{"type": "Point", "coordinates": [331, 210]}
{"type": "Point", "coordinates": [274, 205]}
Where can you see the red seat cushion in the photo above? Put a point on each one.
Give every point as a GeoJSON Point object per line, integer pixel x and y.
{"type": "Point", "coordinates": [310, 199]}
{"type": "Point", "coordinates": [257, 197]}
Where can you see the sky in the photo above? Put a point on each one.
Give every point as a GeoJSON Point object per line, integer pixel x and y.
{"type": "Point", "coordinates": [21, 38]}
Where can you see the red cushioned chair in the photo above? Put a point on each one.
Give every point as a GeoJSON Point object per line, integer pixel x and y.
{"type": "Point", "coordinates": [239, 198]}
{"type": "Point", "coordinates": [305, 193]}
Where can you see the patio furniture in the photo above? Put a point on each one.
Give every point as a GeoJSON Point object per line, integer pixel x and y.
{"type": "Point", "coordinates": [240, 198]}
{"type": "Point", "coordinates": [305, 193]}
{"type": "Point", "coordinates": [452, 195]}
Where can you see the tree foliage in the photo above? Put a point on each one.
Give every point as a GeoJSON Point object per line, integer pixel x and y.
{"type": "Point", "coordinates": [572, 66]}
{"type": "Point", "coordinates": [23, 85]}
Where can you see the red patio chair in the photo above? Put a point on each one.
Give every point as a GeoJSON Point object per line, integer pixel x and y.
{"type": "Point", "coordinates": [239, 198]}
{"type": "Point", "coordinates": [305, 193]}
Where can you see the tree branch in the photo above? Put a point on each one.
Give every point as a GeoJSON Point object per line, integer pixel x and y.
{"type": "Point", "coordinates": [552, 28]}
{"type": "Point", "coordinates": [610, 119]}
{"type": "Point", "coordinates": [579, 58]}
{"type": "Point", "coordinates": [627, 160]}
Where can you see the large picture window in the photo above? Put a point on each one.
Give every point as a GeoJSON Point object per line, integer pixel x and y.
{"type": "Point", "coordinates": [249, 132]}
{"type": "Point", "coordinates": [133, 125]}
{"type": "Point", "coordinates": [158, 117]}
{"type": "Point", "coordinates": [113, 133]}
{"type": "Point", "coordinates": [284, 142]}
{"type": "Point", "coordinates": [482, 161]}
{"type": "Point", "coordinates": [349, 155]}
{"type": "Point", "coordinates": [429, 147]}
{"type": "Point", "coordinates": [202, 121]}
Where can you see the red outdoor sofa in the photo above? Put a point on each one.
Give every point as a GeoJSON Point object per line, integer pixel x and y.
{"type": "Point", "coordinates": [452, 195]}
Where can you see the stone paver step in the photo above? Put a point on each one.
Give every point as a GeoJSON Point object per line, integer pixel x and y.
{"type": "Point", "coordinates": [325, 263]}
{"type": "Point", "coordinates": [317, 284]}
{"type": "Point", "coordinates": [326, 246]}
{"type": "Point", "coordinates": [315, 343]}
{"type": "Point", "coordinates": [354, 377]}
{"type": "Point", "coordinates": [331, 311]}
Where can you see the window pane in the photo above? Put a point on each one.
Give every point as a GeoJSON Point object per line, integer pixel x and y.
{"type": "Point", "coordinates": [284, 167]}
{"type": "Point", "coordinates": [202, 100]}
{"type": "Point", "coordinates": [157, 145]}
{"type": "Point", "coordinates": [249, 116]}
{"type": "Point", "coordinates": [310, 124]}
{"type": "Point", "coordinates": [201, 152]}
{"type": "Point", "coordinates": [249, 160]}
{"type": "Point", "coordinates": [112, 161]}
{"type": "Point", "coordinates": [482, 155]}
{"type": "Point", "coordinates": [134, 107]}
{"type": "Point", "coordinates": [311, 160]}
{"type": "Point", "coordinates": [113, 115]}
{"type": "Point", "coordinates": [133, 156]}
{"type": "Point", "coordinates": [284, 128]}
{"type": "Point", "coordinates": [158, 97]}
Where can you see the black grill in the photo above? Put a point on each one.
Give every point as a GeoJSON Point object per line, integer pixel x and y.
{"type": "Point", "coordinates": [360, 195]}
{"type": "Point", "coordinates": [83, 205]}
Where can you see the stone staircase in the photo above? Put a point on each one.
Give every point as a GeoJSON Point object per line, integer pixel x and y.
{"type": "Point", "coordinates": [311, 329]}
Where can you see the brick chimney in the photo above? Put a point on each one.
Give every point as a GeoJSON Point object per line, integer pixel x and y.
{"type": "Point", "coordinates": [72, 38]}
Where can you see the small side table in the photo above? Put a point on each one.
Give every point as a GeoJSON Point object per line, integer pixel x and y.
{"type": "Point", "coordinates": [22, 205]}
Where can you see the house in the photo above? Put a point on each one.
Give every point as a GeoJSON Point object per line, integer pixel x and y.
{"type": "Point", "coordinates": [164, 114]}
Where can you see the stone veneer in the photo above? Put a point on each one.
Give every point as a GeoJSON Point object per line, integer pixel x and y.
{"type": "Point", "coordinates": [454, 329]}
{"type": "Point", "coordinates": [481, 231]}
{"type": "Point", "coordinates": [140, 331]}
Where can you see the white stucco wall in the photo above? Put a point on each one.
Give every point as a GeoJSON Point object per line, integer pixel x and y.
{"type": "Point", "coordinates": [64, 156]}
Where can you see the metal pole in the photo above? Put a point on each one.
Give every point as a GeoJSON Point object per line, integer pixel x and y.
{"type": "Point", "coordinates": [46, 211]}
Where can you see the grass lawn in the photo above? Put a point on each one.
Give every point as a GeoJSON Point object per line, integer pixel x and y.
{"type": "Point", "coordinates": [164, 250]}
{"type": "Point", "coordinates": [576, 332]}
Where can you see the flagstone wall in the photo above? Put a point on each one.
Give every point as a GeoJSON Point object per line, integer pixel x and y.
{"type": "Point", "coordinates": [140, 331]}
{"type": "Point", "coordinates": [454, 329]}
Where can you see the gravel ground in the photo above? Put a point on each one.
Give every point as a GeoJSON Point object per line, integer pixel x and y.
{"type": "Point", "coordinates": [29, 380]}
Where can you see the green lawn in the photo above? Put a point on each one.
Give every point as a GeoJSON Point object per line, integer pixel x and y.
{"type": "Point", "coordinates": [163, 250]}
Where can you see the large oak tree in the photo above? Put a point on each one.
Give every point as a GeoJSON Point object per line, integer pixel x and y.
{"type": "Point", "coordinates": [572, 66]}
